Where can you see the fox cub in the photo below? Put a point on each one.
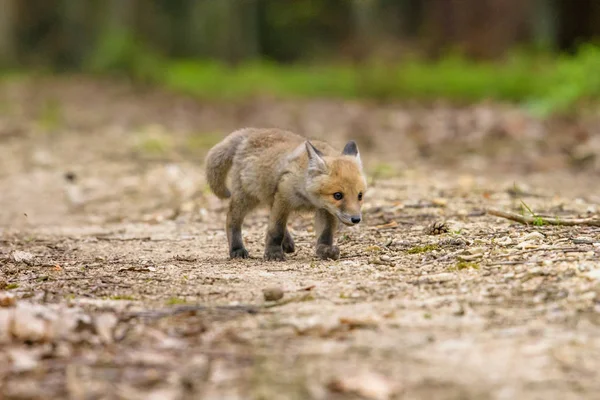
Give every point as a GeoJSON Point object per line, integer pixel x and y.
{"type": "Point", "coordinates": [288, 173]}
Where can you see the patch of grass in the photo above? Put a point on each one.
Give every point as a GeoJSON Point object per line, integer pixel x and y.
{"type": "Point", "coordinates": [544, 85]}
{"type": "Point", "coordinates": [462, 265]}
{"type": "Point", "coordinates": [122, 297]}
{"type": "Point", "coordinates": [119, 52]}
{"type": "Point", "coordinates": [51, 115]}
{"type": "Point", "coordinates": [203, 141]}
{"type": "Point", "coordinates": [374, 249]}
{"type": "Point", "coordinates": [383, 171]}
{"type": "Point", "coordinates": [153, 141]}
{"type": "Point", "coordinates": [423, 249]}
{"type": "Point", "coordinates": [538, 221]}
{"type": "Point", "coordinates": [173, 301]}
{"type": "Point", "coordinates": [11, 286]}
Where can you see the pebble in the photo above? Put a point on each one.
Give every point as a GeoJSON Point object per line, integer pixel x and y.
{"type": "Point", "coordinates": [22, 256]}
{"type": "Point", "coordinates": [273, 293]}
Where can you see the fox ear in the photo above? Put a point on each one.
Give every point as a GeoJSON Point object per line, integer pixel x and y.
{"type": "Point", "coordinates": [316, 164]}
{"type": "Point", "coordinates": [351, 149]}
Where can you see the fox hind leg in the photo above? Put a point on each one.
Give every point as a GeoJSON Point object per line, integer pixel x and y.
{"type": "Point", "coordinates": [239, 207]}
{"type": "Point", "coordinates": [325, 226]}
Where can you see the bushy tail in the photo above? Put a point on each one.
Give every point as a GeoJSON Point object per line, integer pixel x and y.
{"type": "Point", "coordinates": [218, 163]}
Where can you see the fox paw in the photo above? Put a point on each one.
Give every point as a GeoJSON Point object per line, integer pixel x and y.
{"type": "Point", "coordinates": [288, 244]}
{"type": "Point", "coordinates": [274, 254]}
{"type": "Point", "coordinates": [325, 252]}
{"type": "Point", "coordinates": [238, 253]}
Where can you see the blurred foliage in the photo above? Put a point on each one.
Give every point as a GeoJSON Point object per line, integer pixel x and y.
{"type": "Point", "coordinates": [545, 85]}
{"type": "Point", "coordinates": [118, 52]}
{"type": "Point", "coordinates": [379, 49]}
{"type": "Point", "coordinates": [574, 81]}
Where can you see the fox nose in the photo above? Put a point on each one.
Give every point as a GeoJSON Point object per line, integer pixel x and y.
{"type": "Point", "coordinates": [355, 219]}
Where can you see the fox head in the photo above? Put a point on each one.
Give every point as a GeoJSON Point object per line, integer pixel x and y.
{"type": "Point", "coordinates": [337, 184]}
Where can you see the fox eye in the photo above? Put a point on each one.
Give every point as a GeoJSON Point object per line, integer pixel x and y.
{"type": "Point", "coordinates": [338, 195]}
{"type": "Point", "coordinates": [360, 196]}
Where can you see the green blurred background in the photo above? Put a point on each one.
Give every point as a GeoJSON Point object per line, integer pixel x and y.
{"type": "Point", "coordinates": [537, 52]}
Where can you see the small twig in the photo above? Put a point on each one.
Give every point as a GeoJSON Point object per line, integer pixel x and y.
{"type": "Point", "coordinates": [518, 193]}
{"type": "Point", "coordinates": [247, 309]}
{"type": "Point", "coordinates": [443, 258]}
{"type": "Point", "coordinates": [124, 239]}
{"type": "Point", "coordinates": [523, 262]}
{"type": "Point", "coordinates": [297, 299]}
{"type": "Point", "coordinates": [549, 221]}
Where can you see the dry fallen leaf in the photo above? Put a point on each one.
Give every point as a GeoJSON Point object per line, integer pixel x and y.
{"type": "Point", "coordinates": [366, 384]}
{"type": "Point", "coordinates": [27, 325]}
{"type": "Point", "coordinates": [105, 325]}
{"type": "Point", "coordinates": [23, 360]}
{"type": "Point", "coordinates": [5, 322]}
{"type": "Point", "coordinates": [359, 323]}
{"type": "Point", "coordinates": [7, 299]}
{"type": "Point", "coordinates": [388, 225]}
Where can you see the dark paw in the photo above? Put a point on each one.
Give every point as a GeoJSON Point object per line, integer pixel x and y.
{"type": "Point", "coordinates": [288, 244]}
{"type": "Point", "coordinates": [238, 253]}
{"type": "Point", "coordinates": [274, 254]}
{"type": "Point", "coordinates": [325, 252]}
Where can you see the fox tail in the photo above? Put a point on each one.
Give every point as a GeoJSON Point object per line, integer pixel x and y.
{"type": "Point", "coordinates": [219, 160]}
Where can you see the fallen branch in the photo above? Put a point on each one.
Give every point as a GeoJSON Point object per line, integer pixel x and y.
{"type": "Point", "coordinates": [536, 220]}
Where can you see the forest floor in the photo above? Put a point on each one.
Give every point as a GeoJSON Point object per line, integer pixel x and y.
{"type": "Point", "coordinates": [115, 280]}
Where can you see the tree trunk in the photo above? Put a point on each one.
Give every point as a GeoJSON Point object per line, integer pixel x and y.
{"type": "Point", "coordinates": [8, 43]}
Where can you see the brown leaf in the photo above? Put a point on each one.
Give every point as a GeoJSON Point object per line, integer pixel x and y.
{"type": "Point", "coordinates": [366, 384]}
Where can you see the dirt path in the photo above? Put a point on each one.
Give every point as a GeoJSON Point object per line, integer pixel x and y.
{"type": "Point", "coordinates": [114, 253]}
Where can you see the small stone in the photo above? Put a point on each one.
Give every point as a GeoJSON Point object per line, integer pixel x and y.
{"type": "Point", "coordinates": [504, 241]}
{"type": "Point", "coordinates": [273, 293]}
{"type": "Point", "coordinates": [532, 236]}
{"type": "Point", "coordinates": [439, 202]}
{"type": "Point", "coordinates": [22, 257]}
{"type": "Point", "coordinates": [594, 274]}
{"type": "Point", "coordinates": [526, 244]}
{"type": "Point", "coordinates": [458, 310]}
{"type": "Point", "coordinates": [583, 240]}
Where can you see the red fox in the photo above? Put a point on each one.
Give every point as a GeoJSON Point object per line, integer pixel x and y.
{"type": "Point", "coordinates": [289, 173]}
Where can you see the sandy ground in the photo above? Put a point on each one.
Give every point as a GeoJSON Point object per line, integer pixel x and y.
{"type": "Point", "coordinates": [116, 282]}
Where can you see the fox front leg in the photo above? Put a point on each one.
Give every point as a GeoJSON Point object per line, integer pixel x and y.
{"type": "Point", "coordinates": [276, 233]}
{"type": "Point", "coordinates": [288, 243]}
{"type": "Point", "coordinates": [325, 226]}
